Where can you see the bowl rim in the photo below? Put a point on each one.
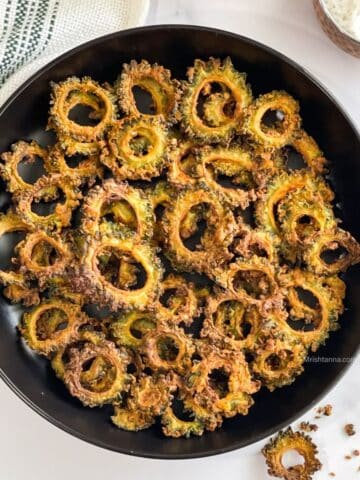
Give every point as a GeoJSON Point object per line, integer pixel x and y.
{"type": "Point", "coordinates": [270, 431]}
{"type": "Point", "coordinates": [337, 25]}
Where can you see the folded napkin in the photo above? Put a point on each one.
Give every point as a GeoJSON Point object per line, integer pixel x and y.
{"type": "Point", "coordinates": [33, 32]}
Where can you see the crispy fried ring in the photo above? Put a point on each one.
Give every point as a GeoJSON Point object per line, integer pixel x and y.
{"type": "Point", "coordinates": [285, 441]}
{"type": "Point", "coordinates": [233, 162]}
{"type": "Point", "coordinates": [92, 283]}
{"type": "Point", "coordinates": [124, 160]}
{"type": "Point", "coordinates": [231, 321]}
{"type": "Point", "coordinates": [168, 348]}
{"type": "Point", "coordinates": [174, 427]}
{"type": "Point", "coordinates": [253, 279]}
{"type": "Point", "coordinates": [125, 203]}
{"type": "Point", "coordinates": [52, 337]}
{"type": "Point", "coordinates": [230, 399]}
{"type": "Point", "coordinates": [279, 358]}
{"type": "Point", "coordinates": [116, 383]}
{"type": "Point", "coordinates": [329, 296]}
{"type": "Point", "coordinates": [283, 131]}
{"type": "Point", "coordinates": [300, 205]}
{"type": "Point", "coordinates": [154, 79]}
{"type": "Point", "coordinates": [43, 268]}
{"type": "Point", "coordinates": [61, 216]}
{"type": "Point", "coordinates": [87, 170]}
{"type": "Point", "coordinates": [200, 78]}
{"type": "Point", "coordinates": [330, 241]}
{"type": "Point", "coordinates": [86, 91]}
{"type": "Point", "coordinates": [218, 234]}
{"type": "Point", "coordinates": [16, 285]}
{"type": "Point", "coordinates": [181, 305]}
{"type": "Point", "coordinates": [12, 223]}
{"type": "Point", "coordinates": [130, 328]}
{"type": "Point", "coordinates": [255, 241]}
{"type": "Point", "coordinates": [131, 419]}
{"type": "Point", "coordinates": [306, 146]}
{"type": "Point", "coordinates": [21, 152]}
{"type": "Point", "coordinates": [279, 187]}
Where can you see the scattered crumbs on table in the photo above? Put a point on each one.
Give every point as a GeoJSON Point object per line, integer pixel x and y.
{"type": "Point", "coordinates": [326, 410]}
{"type": "Point", "coordinates": [308, 427]}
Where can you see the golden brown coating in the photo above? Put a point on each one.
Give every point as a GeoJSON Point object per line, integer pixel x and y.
{"type": "Point", "coordinates": [22, 152]}
{"type": "Point", "coordinates": [209, 261]}
{"type": "Point", "coordinates": [86, 92]}
{"type": "Point", "coordinates": [136, 148]}
{"type": "Point", "coordinates": [225, 109]}
{"type": "Point", "coordinates": [153, 79]}
{"type": "Point", "coordinates": [285, 441]}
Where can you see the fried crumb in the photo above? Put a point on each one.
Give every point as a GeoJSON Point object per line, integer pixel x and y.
{"type": "Point", "coordinates": [326, 410]}
{"type": "Point", "coordinates": [356, 453]}
{"type": "Point", "coordinates": [347, 457]}
{"type": "Point", "coordinates": [308, 427]}
{"type": "Point", "coordinates": [349, 429]}
{"type": "Point", "coordinates": [332, 474]}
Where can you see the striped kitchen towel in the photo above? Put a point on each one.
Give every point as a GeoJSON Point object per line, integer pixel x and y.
{"type": "Point", "coordinates": [33, 32]}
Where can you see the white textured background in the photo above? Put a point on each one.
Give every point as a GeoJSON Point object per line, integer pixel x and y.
{"type": "Point", "coordinates": [33, 449]}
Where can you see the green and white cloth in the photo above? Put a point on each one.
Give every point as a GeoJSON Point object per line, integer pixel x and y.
{"type": "Point", "coordinates": [33, 32]}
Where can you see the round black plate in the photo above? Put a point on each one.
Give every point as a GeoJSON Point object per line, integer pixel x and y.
{"type": "Point", "coordinates": [24, 116]}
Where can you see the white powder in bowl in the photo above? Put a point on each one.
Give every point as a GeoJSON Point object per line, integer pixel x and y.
{"type": "Point", "coordinates": [346, 13]}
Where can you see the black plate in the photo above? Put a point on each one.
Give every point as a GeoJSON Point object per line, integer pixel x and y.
{"type": "Point", "coordinates": [175, 46]}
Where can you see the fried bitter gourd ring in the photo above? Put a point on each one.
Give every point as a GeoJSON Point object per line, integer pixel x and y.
{"type": "Point", "coordinates": [330, 241]}
{"type": "Point", "coordinates": [148, 398]}
{"type": "Point", "coordinates": [60, 358]}
{"type": "Point", "coordinates": [88, 169]}
{"type": "Point", "coordinates": [279, 357]}
{"type": "Point", "coordinates": [280, 133]}
{"type": "Point", "coordinates": [236, 94]}
{"type": "Point", "coordinates": [173, 426]}
{"type": "Point", "coordinates": [306, 146]}
{"type": "Point", "coordinates": [54, 259]}
{"type": "Point", "coordinates": [253, 279]}
{"type": "Point", "coordinates": [117, 380]}
{"type": "Point", "coordinates": [16, 285]}
{"type": "Point", "coordinates": [91, 282]}
{"type": "Point", "coordinates": [42, 328]}
{"type": "Point", "coordinates": [218, 234]}
{"type": "Point", "coordinates": [236, 164]}
{"type": "Point", "coordinates": [61, 216]}
{"type": "Point", "coordinates": [178, 302]}
{"type": "Point", "coordinates": [303, 218]}
{"type": "Point", "coordinates": [132, 419]}
{"type": "Point", "coordinates": [168, 348]}
{"type": "Point", "coordinates": [285, 441]}
{"type": "Point", "coordinates": [231, 321]}
{"type": "Point", "coordinates": [221, 382]}
{"type": "Point", "coordinates": [129, 206]}
{"type": "Point", "coordinates": [131, 160]}
{"type": "Point", "coordinates": [86, 92]}
{"type": "Point", "coordinates": [322, 316]}
{"type": "Point", "coordinates": [154, 79]}
{"type": "Point", "coordinates": [21, 152]}
{"type": "Point", "coordinates": [129, 328]}
{"type": "Point", "coordinates": [255, 241]}
{"type": "Point", "coordinates": [279, 187]}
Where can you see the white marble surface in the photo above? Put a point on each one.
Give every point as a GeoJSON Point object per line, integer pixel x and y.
{"type": "Point", "coordinates": [32, 448]}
